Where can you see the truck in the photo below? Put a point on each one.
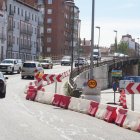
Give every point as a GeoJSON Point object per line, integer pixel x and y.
{"type": "Point", "coordinates": [96, 54]}
{"type": "Point", "coordinates": [10, 66]}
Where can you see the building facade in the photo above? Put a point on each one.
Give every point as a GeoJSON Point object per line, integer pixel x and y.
{"type": "Point", "coordinates": [3, 30]}
{"type": "Point", "coordinates": [132, 44]}
{"type": "Point", "coordinates": [61, 28]}
{"type": "Point", "coordinates": [24, 22]}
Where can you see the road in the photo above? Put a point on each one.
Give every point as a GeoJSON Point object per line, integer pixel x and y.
{"type": "Point", "coordinates": [21, 119]}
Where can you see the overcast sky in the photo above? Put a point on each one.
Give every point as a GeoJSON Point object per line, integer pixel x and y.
{"type": "Point", "coordinates": [110, 15]}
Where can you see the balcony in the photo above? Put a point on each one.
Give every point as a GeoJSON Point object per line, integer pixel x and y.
{"type": "Point", "coordinates": [10, 27]}
{"type": "Point", "coordinates": [2, 37]}
{"type": "Point", "coordinates": [25, 47]}
{"type": "Point", "coordinates": [11, 13]}
{"type": "Point", "coordinates": [41, 23]}
{"type": "Point", "coordinates": [27, 32]}
{"type": "Point", "coordinates": [10, 45]}
{"type": "Point", "coordinates": [27, 18]}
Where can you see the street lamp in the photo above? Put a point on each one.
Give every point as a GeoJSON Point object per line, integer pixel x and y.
{"type": "Point", "coordinates": [98, 40]}
{"type": "Point", "coordinates": [79, 41]}
{"type": "Point", "coordinates": [115, 40]}
{"type": "Point", "coordinates": [71, 4]}
{"type": "Point", "coordinates": [92, 40]}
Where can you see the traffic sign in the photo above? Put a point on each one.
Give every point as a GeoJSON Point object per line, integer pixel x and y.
{"type": "Point", "coordinates": [92, 83]}
{"type": "Point", "coordinates": [133, 88]}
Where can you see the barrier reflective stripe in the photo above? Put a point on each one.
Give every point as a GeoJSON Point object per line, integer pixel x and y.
{"type": "Point", "coordinates": [121, 117]}
{"type": "Point", "coordinates": [111, 114]}
{"type": "Point", "coordinates": [65, 100]}
{"type": "Point", "coordinates": [93, 108]}
{"type": "Point", "coordinates": [56, 99]}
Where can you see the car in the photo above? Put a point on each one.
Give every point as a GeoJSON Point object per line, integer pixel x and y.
{"type": "Point", "coordinates": [2, 85]}
{"type": "Point", "coordinates": [46, 63]}
{"type": "Point", "coordinates": [10, 66]}
{"type": "Point", "coordinates": [81, 61]}
{"type": "Point", "coordinates": [29, 68]}
{"type": "Point", "coordinates": [66, 60]}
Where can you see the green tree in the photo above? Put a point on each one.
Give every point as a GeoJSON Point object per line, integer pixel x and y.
{"type": "Point", "coordinates": [123, 48]}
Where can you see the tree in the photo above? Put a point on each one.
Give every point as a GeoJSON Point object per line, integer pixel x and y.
{"type": "Point", "coordinates": [123, 48]}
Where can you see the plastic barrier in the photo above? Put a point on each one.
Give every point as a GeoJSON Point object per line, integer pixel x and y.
{"type": "Point", "coordinates": [111, 114]}
{"type": "Point", "coordinates": [132, 120]}
{"type": "Point", "coordinates": [31, 93]}
{"type": "Point", "coordinates": [43, 97]}
{"type": "Point", "coordinates": [65, 101]}
{"type": "Point", "coordinates": [83, 105]}
{"type": "Point", "coordinates": [100, 114]}
{"type": "Point", "coordinates": [56, 99]}
{"type": "Point", "coordinates": [93, 108]}
{"type": "Point", "coordinates": [121, 115]}
{"type": "Point", "coordinates": [74, 104]}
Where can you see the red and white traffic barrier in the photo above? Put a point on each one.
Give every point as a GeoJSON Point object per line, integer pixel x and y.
{"type": "Point", "coordinates": [43, 97]}
{"type": "Point", "coordinates": [100, 114]}
{"type": "Point", "coordinates": [132, 120]}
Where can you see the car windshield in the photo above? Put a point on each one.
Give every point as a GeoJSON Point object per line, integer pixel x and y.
{"type": "Point", "coordinates": [29, 65]}
{"type": "Point", "coordinates": [7, 61]}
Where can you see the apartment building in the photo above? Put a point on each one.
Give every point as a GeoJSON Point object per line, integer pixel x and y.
{"type": "Point", "coordinates": [24, 34]}
{"type": "Point", "coordinates": [132, 44]}
{"type": "Point", "coordinates": [3, 30]}
{"type": "Point", "coordinates": [61, 24]}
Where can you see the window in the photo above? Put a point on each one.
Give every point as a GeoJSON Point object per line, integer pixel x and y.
{"type": "Point", "coordinates": [49, 11]}
{"type": "Point", "coordinates": [49, 20]}
{"type": "Point", "coordinates": [18, 11]}
{"type": "Point", "coordinates": [49, 30]}
{"type": "Point", "coordinates": [49, 39]}
{"type": "Point", "coordinates": [49, 1]}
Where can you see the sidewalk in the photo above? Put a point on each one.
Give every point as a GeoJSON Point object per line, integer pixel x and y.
{"type": "Point", "coordinates": [107, 96]}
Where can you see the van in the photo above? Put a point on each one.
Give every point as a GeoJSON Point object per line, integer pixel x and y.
{"type": "Point", "coordinates": [96, 54]}
{"type": "Point", "coordinates": [29, 68]}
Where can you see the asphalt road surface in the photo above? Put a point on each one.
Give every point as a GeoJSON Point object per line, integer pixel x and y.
{"type": "Point", "coordinates": [21, 119]}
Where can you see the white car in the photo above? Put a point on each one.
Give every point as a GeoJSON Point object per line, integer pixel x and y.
{"type": "Point", "coordinates": [29, 68]}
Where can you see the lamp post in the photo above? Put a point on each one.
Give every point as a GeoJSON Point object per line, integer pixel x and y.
{"type": "Point", "coordinates": [115, 40]}
{"type": "Point", "coordinates": [71, 4]}
{"type": "Point", "coordinates": [92, 40]}
{"type": "Point", "coordinates": [138, 46]}
{"type": "Point", "coordinates": [79, 42]}
{"type": "Point", "coordinates": [98, 40]}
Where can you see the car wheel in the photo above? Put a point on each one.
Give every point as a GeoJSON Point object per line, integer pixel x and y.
{"type": "Point", "coordinates": [22, 77]}
{"type": "Point", "coordinates": [2, 95]}
{"type": "Point", "coordinates": [12, 71]}
{"type": "Point", "coordinates": [19, 70]}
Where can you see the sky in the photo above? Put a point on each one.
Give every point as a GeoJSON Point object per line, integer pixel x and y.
{"type": "Point", "coordinates": [120, 15]}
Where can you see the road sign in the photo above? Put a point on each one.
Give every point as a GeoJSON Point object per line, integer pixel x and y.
{"type": "Point", "coordinates": [116, 73]}
{"type": "Point", "coordinates": [115, 85]}
{"type": "Point", "coordinates": [133, 88]}
{"type": "Point", "coordinates": [92, 83]}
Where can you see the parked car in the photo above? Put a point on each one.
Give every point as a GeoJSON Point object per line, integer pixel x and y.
{"type": "Point", "coordinates": [81, 61]}
{"type": "Point", "coordinates": [66, 60]}
{"type": "Point", "coordinates": [29, 68]}
{"type": "Point", "coordinates": [10, 66]}
{"type": "Point", "coordinates": [46, 63]}
{"type": "Point", "coordinates": [2, 85]}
